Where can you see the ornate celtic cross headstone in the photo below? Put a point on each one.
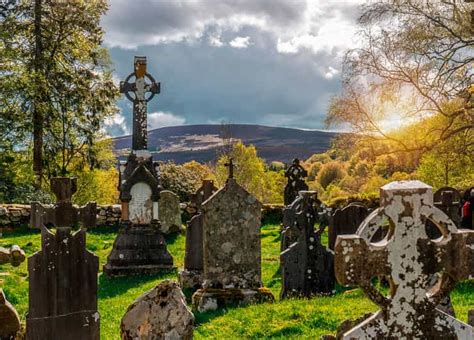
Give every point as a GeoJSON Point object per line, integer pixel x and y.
{"type": "Point", "coordinates": [410, 259]}
{"type": "Point", "coordinates": [64, 213]}
{"type": "Point", "coordinates": [137, 93]}
{"type": "Point", "coordinates": [296, 175]}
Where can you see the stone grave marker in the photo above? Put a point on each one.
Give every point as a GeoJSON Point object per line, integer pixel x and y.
{"type": "Point", "coordinates": [410, 258]}
{"type": "Point", "coordinates": [160, 313]}
{"type": "Point", "coordinates": [169, 212]}
{"type": "Point", "coordinates": [345, 221]}
{"type": "Point", "coordinates": [191, 276]}
{"type": "Point", "coordinates": [295, 175]}
{"type": "Point", "coordinates": [139, 247]}
{"type": "Point", "coordinates": [63, 276]}
{"type": "Point", "coordinates": [307, 266]}
{"type": "Point", "coordinates": [448, 200]}
{"type": "Point", "coordinates": [9, 319]}
{"type": "Point", "coordinates": [232, 250]}
{"type": "Point", "coordinates": [63, 213]}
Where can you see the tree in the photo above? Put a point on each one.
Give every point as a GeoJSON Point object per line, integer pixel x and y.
{"type": "Point", "coordinates": [56, 81]}
{"type": "Point", "coordinates": [415, 61]}
{"type": "Point", "coordinates": [331, 172]}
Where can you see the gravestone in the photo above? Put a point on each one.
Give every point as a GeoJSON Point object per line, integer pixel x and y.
{"type": "Point", "coordinates": [139, 247]}
{"type": "Point", "coordinates": [345, 221]}
{"type": "Point", "coordinates": [63, 275]}
{"type": "Point", "coordinates": [160, 313]}
{"type": "Point", "coordinates": [232, 250]}
{"type": "Point", "coordinates": [169, 212]}
{"type": "Point", "coordinates": [63, 213]}
{"type": "Point", "coordinates": [410, 258]}
{"type": "Point", "coordinates": [9, 319]}
{"type": "Point", "coordinates": [295, 175]}
{"type": "Point", "coordinates": [191, 276]}
{"type": "Point", "coordinates": [307, 266]}
{"type": "Point", "coordinates": [448, 200]}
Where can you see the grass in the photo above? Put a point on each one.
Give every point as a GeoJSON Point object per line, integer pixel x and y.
{"type": "Point", "coordinates": [305, 318]}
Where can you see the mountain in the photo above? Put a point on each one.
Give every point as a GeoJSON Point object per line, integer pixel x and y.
{"type": "Point", "coordinates": [201, 142]}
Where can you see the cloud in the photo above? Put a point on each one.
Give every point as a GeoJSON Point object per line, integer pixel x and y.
{"type": "Point", "coordinates": [116, 125]}
{"type": "Point", "coordinates": [240, 42]}
{"type": "Point", "coordinates": [295, 25]}
{"type": "Point", "coordinates": [161, 119]}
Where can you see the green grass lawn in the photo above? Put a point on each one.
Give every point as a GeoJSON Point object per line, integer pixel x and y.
{"type": "Point", "coordinates": [306, 318]}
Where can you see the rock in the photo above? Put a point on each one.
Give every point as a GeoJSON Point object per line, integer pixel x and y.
{"type": "Point", "coordinates": [160, 313]}
{"type": "Point", "coordinates": [9, 319]}
{"type": "Point", "coordinates": [169, 212]}
{"type": "Point", "coordinates": [470, 317]}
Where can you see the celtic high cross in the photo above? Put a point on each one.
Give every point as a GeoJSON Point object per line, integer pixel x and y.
{"type": "Point", "coordinates": [137, 92]}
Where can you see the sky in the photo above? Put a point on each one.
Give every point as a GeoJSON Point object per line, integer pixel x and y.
{"type": "Point", "coordinates": [268, 62]}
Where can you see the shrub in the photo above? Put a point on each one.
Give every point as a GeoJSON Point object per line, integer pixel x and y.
{"type": "Point", "coordinates": [331, 172]}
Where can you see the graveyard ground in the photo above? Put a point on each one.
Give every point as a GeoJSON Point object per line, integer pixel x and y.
{"type": "Point", "coordinates": [291, 318]}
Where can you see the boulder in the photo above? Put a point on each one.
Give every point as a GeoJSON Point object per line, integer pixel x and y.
{"type": "Point", "coordinates": [160, 313]}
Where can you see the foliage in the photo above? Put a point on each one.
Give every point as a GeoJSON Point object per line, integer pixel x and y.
{"type": "Point", "coordinates": [184, 179]}
{"type": "Point", "coordinates": [330, 172]}
{"type": "Point", "coordinates": [414, 61]}
{"type": "Point", "coordinates": [252, 173]}
{"type": "Point", "coordinates": [292, 318]}
{"type": "Point", "coordinates": [56, 80]}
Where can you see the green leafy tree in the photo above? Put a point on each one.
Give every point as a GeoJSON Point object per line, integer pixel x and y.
{"type": "Point", "coordinates": [56, 81]}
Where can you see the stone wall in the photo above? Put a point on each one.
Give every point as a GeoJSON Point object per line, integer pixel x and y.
{"type": "Point", "coordinates": [16, 215]}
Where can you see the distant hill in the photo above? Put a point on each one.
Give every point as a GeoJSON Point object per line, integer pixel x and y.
{"type": "Point", "coordinates": [201, 142]}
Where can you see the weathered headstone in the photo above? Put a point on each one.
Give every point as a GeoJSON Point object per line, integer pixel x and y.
{"type": "Point", "coordinates": [191, 276]}
{"type": "Point", "coordinates": [63, 213]}
{"type": "Point", "coordinates": [169, 212]}
{"type": "Point", "coordinates": [295, 175]}
{"type": "Point", "coordinates": [232, 250]}
{"type": "Point", "coordinates": [9, 318]}
{"type": "Point", "coordinates": [307, 266]}
{"type": "Point", "coordinates": [345, 221]}
{"type": "Point", "coordinates": [63, 277]}
{"type": "Point", "coordinates": [410, 258]}
{"type": "Point", "coordinates": [160, 313]}
{"type": "Point", "coordinates": [448, 200]}
{"type": "Point", "coordinates": [140, 247]}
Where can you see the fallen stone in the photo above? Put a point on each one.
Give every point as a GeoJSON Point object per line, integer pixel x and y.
{"type": "Point", "coordinates": [9, 319]}
{"type": "Point", "coordinates": [160, 313]}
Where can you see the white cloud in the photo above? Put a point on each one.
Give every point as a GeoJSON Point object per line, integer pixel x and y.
{"type": "Point", "coordinates": [161, 119]}
{"type": "Point", "coordinates": [240, 42]}
{"type": "Point", "coordinates": [331, 72]}
{"type": "Point", "coordinates": [314, 25]}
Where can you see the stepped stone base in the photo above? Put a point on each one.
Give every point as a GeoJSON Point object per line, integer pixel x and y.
{"type": "Point", "coordinates": [210, 299]}
{"type": "Point", "coordinates": [191, 279]}
{"type": "Point", "coordinates": [138, 250]}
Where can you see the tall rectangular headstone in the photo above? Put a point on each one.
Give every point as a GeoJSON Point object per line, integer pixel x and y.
{"type": "Point", "coordinates": [191, 276]}
{"type": "Point", "coordinates": [232, 250]}
{"type": "Point", "coordinates": [345, 221]}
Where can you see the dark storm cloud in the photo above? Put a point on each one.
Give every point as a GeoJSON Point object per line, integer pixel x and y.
{"type": "Point", "coordinates": [260, 62]}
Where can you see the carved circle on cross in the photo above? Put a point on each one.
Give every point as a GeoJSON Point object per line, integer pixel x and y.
{"type": "Point", "coordinates": [151, 85]}
{"type": "Point", "coordinates": [378, 218]}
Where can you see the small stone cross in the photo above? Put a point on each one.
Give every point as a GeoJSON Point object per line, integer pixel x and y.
{"type": "Point", "coordinates": [231, 167]}
{"type": "Point", "coordinates": [137, 93]}
{"type": "Point", "coordinates": [64, 213]}
{"type": "Point", "coordinates": [410, 259]}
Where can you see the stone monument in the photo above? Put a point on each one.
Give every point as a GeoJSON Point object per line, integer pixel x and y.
{"type": "Point", "coordinates": [9, 319]}
{"type": "Point", "coordinates": [232, 250]}
{"type": "Point", "coordinates": [448, 200]}
{"type": "Point", "coordinates": [296, 175]}
{"type": "Point", "coordinates": [307, 266]}
{"type": "Point", "coordinates": [410, 259]}
{"type": "Point", "coordinates": [169, 212]}
{"type": "Point", "coordinates": [191, 276]}
{"type": "Point", "coordinates": [140, 247]}
{"type": "Point", "coordinates": [63, 274]}
{"type": "Point", "coordinates": [345, 221]}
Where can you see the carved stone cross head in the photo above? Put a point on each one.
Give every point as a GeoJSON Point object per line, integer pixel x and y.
{"type": "Point", "coordinates": [138, 90]}
{"type": "Point", "coordinates": [64, 213]}
{"type": "Point", "coordinates": [409, 258]}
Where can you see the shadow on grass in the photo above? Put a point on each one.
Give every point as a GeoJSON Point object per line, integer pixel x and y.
{"type": "Point", "coordinates": [111, 287]}
{"type": "Point", "coordinates": [106, 229]}
{"type": "Point", "coordinates": [24, 230]}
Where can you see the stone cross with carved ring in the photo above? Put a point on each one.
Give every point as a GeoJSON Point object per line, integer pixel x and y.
{"type": "Point", "coordinates": [409, 258]}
